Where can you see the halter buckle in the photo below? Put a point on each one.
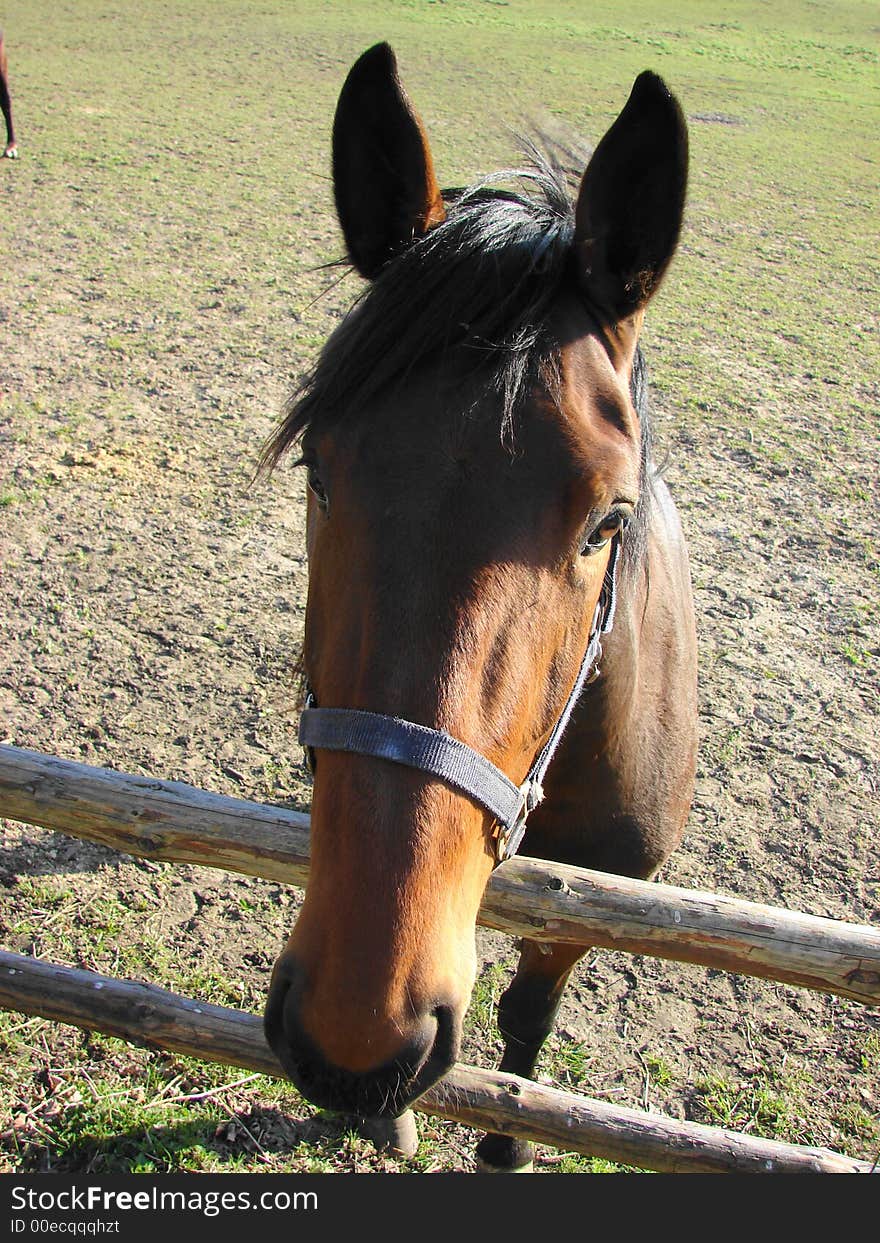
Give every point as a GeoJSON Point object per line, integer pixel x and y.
{"type": "Point", "coordinates": [510, 835]}
{"type": "Point", "coordinates": [309, 752]}
{"type": "Point", "coordinates": [596, 672]}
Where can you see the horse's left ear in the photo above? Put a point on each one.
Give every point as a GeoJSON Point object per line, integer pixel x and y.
{"type": "Point", "coordinates": [630, 205]}
{"type": "Point", "coordinates": [383, 174]}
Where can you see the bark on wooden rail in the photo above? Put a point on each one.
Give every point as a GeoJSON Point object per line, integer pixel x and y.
{"type": "Point", "coordinates": [525, 897]}
{"type": "Point", "coordinates": [488, 1100]}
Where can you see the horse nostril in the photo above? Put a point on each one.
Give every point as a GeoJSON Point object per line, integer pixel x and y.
{"type": "Point", "coordinates": [273, 1017]}
{"type": "Point", "coordinates": [445, 1047]}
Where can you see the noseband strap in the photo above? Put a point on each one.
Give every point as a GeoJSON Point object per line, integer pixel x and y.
{"type": "Point", "coordinates": [450, 760]}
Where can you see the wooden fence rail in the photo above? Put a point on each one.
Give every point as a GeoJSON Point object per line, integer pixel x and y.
{"type": "Point", "coordinates": [488, 1100]}
{"type": "Point", "coordinates": [525, 897]}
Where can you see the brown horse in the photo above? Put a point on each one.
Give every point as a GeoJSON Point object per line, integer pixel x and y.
{"type": "Point", "coordinates": [10, 151]}
{"type": "Point", "coordinates": [482, 507]}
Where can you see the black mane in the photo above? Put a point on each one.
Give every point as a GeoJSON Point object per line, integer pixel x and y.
{"type": "Point", "coordinates": [483, 280]}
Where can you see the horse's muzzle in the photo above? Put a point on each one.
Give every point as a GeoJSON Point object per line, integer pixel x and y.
{"type": "Point", "coordinates": [381, 1092]}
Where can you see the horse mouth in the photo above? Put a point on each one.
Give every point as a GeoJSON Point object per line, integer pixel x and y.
{"type": "Point", "coordinates": [383, 1092]}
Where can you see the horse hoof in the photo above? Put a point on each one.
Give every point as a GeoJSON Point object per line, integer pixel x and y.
{"type": "Point", "coordinates": [11, 153]}
{"type": "Point", "coordinates": [504, 1154]}
{"type": "Point", "coordinates": [397, 1136]}
{"type": "Point", "coordinates": [483, 1167]}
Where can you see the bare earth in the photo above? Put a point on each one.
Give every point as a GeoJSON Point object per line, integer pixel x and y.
{"type": "Point", "coordinates": [153, 601]}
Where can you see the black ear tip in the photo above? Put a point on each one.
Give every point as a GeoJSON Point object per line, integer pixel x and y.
{"type": "Point", "coordinates": [653, 101]}
{"type": "Point", "coordinates": [650, 91]}
{"type": "Point", "coordinates": [372, 71]}
{"type": "Point", "coordinates": [378, 57]}
{"type": "Point", "coordinates": [383, 49]}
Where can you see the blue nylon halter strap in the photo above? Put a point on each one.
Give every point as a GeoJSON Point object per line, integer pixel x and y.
{"type": "Point", "coordinates": [435, 752]}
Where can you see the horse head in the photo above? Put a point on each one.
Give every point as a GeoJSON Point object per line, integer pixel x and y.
{"type": "Point", "coordinates": [474, 454]}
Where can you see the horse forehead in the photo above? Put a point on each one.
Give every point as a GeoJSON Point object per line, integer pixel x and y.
{"type": "Point", "coordinates": [443, 425]}
{"type": "Point", "coordinates": [592, 385]}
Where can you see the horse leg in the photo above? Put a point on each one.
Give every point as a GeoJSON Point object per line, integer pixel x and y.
{"type": "Point", "coordinates": [526, 1014]}
{"type": "Point", "coordinates": [6, 104]}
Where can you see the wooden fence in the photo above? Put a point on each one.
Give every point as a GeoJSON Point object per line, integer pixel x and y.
{"type": "Point", "coordinates": [544, 901]}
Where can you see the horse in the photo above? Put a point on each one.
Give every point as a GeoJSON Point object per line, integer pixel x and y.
{"type": "Point", "coordinates": [11, 150]}
{"type": "Point", "coordinates": [499, 643]}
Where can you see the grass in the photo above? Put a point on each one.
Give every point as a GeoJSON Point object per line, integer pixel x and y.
{"type": "Point", "coordinates": [104, 1107]}
{"type": "Point", "coordinates": [757, 1106]}
{"type": "Point", "coordinates": [151, 202]}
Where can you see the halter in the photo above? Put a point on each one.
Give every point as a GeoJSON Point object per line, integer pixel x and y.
{"type": "Point", "coordinates": [435, 752]}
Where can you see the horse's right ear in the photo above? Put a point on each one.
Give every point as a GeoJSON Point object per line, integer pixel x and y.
{"type": "Point", "coordinates": [383, 174]}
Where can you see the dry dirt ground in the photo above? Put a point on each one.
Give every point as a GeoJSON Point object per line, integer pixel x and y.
{"type": "Point", "coordinates": [153, 600]}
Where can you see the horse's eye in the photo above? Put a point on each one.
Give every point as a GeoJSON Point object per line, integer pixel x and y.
{"type": "Point", "coordinates": [614, 522]}
{"type": "Point", "coordinates": [317, 488]}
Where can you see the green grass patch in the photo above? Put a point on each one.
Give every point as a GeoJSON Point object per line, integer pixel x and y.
{"type": "Point", "coordinates": [758, 1106]}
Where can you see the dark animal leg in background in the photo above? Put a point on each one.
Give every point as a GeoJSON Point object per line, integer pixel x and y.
{"type": "Point", "coordinates": [6, 105]}
{"type": "Point", "coordinates": [525, 1017]}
